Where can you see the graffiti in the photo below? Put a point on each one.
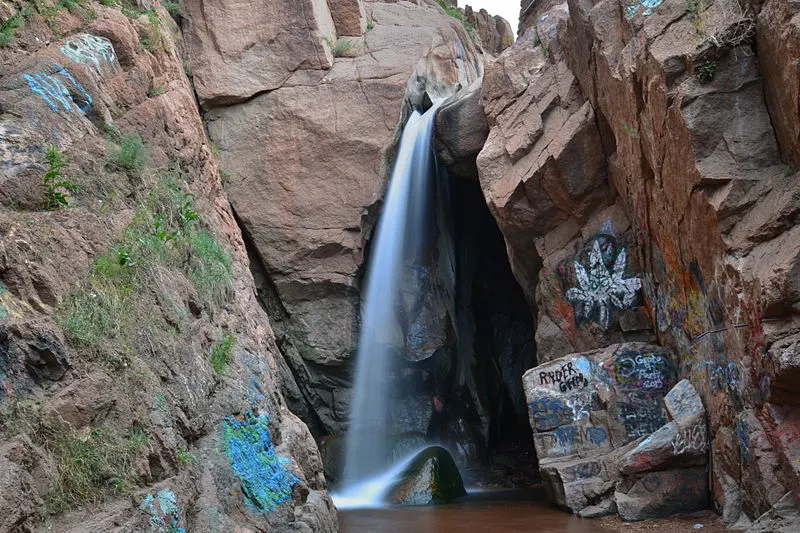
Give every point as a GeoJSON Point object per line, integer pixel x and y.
{"type": "Point", "coordinates": [684, 401]}
{"type": "Point", "coordinates": [59, 90]}
{"type": "Point", "coordinates": [254, 394]}
{"type": "Point", "coordinates": [580, 405]}
{"type": "Point", "coordinates": [645, 370]}
{"type": "Point", "coordinates": [567, 378]}
{"type": "Point", "coordinates": [567, 440]}
{"type": "Point", "coordinates": [265, 480]}
{"type": "Point", "coordinates": [600, 290]}
{"type": "Point", "coordinates": [641, 418]}
{"type": "Point", "coordinates": [648, 5]}
{"type": "Point", "coordinates": [693, 440]}
{"type": "Point", "coordinates": [587, 470]}
{"type": "Point", "coordinates": [743, 433]}
{"type": "Point", "coordinates": [163, 510]}
{"type": "Point", "coordinates": [89, 49]}
{"type": "Point", "coordinates": [722, 373]}
{"type": "Point", "coordinates": [550, 413]}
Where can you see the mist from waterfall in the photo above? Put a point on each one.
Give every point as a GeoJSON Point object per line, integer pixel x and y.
{"type": "Point", "coordinates": [399, 237]}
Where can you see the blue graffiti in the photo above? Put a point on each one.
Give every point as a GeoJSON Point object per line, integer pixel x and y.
{"type": "Point", "coordinates": [744, 439]}
{"type": "Point", "coordinates": [163, 510]}
{"type": "Point", "coordinates": [254, 394]}
{"type": "Point", "coordinates": [597, 435]}
{"type": "Point", "coordinates": [54, 91]}
{"type": "Point", "coordinates": [550, 413]}
{"type": "Point", "coordinates": [566, 435]}
{"type": "Point", "coordinates": [648, 5]}
{"type": "Point", "coordinates": [265, 480]}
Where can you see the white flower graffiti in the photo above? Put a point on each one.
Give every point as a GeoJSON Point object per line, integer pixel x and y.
{"type": "Point", "coordinates": [599, 290]}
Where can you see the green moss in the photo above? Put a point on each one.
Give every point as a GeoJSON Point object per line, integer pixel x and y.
{"type": "Point", "coordinates": [8, 29]}
{"type": "Point", "coordinates": [221, 353]}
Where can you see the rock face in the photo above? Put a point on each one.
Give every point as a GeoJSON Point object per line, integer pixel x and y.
{"type": "Point", "coordinates": [641, 166]}
{"type": "Point", "coordinates": [495, 33]}
{"type": "Point", "coordinates": [431, 477]}
{"type": "Point", "coordinates": [138, 372]}
{"type": "Point", "coordinates": [308, 156]}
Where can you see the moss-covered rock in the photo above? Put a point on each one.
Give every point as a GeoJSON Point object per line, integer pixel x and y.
{"type": "Point", "coordinates": [432, 477]}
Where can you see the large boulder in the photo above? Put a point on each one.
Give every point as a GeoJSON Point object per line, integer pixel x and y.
{"type": "Point", "coordinates": [431, 477]}
{"type": "Point", "coordinates": [587, 409]}
{"type": "Point", "coordinates": [308, 157]}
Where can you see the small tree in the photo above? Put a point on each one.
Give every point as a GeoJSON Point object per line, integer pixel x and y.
{"type": "Point", "coordinates": [53, 182]}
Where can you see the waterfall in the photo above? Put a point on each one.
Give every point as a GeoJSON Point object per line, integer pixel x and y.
{"type": "Point", "coordinates": [398, 240]}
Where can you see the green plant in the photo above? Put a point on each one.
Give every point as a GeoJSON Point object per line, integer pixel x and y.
{"type": "Point", "coordinates": [630, 131]}
{"type": "Point", "coordinates": [53, 181]}
{"type": "Point", "coordinates": [705, 71]}
{"type": "Point", "coordinates": [8, 29]}
{"type": "Point", "coordinates": [221, 353]}
{"type": "Point", "coordinates": [156, 91]}
{"type": "Point", "coordinates": [111, 317]}
{"type": "Point", "coordinates": [694, 8]}
{"type": "Point", "coordinates": [131, 154]}
{"type": "Point", "coordinates": [185, 458]}
{"type": "Point", "coordinates": [90, 465]}
{"type": "Point", "coordinates": [456, 13]}
{"type": "Point", "coordinates": [108, 2]}
{"type": "Point", "coordinates": [340, 47]}
{"type": "Point", "coordinates": [370, 24]}
{"type": "Point", "coordinates": [172, 7]}
{"type": "Point", "coordinates": [152, 38]}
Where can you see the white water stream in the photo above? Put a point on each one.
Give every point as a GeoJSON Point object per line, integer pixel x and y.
{"type": "Point", "coordinates": [368, 471]}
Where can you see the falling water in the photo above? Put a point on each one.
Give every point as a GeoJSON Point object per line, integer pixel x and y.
{"type": "Point", "coordinates": [399, 239]}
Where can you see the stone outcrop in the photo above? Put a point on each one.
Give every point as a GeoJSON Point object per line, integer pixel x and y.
{"type": "Point", "coordinates": [138, 372]}
{"type": "Point", "coordinates": [493, 32]}
{"type": "Point", "coordinates": [431, 477]}
{"type": "Point", "coordinates": [641, 164]}
{"type": "Point", "coordinates": [609, 437]}
{"type": "Point", "coordinates": [308, 156]}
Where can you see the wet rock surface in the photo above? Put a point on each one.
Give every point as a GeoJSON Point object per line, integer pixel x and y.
{"type": "Point", "coordinates": [431, 477]}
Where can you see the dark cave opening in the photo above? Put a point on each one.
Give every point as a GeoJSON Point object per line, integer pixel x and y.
{"type": "Point", "coordinates": [495, 335]}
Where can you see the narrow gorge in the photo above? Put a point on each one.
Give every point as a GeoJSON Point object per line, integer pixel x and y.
{"type": "Point", "coordinates": [588, 318]}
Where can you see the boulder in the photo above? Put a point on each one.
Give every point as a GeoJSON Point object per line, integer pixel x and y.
{"type": "Point", "coordinates": [587, 410]}
{"type": "Point", "coordinates": [461, 131]}
{"type": "Point", "coordinates": [661, 494]}
{"type": "Point", "coordinates": [431, 477]}
{"type": "Point", "coordinates": [784, 517]}
{"type": "Point", "coordinates": [681, 442]}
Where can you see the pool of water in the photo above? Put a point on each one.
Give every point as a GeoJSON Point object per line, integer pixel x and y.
{"type": "Point", "coordinates": [484, 512]}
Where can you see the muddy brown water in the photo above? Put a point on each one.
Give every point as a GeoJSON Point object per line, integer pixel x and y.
{"type": "Point", "coordinates": [493, 512]}
{"type": "Point", "coordinates": [523, 511]}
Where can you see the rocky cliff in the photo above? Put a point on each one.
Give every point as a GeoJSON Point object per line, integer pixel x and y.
{"type": "Point", "coordinates": [640, 162]}
{"type": "Point", "coordinates": [173, 190]}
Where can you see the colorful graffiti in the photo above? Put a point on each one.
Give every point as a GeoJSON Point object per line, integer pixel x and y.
{"type": "Point", "coordinates": [265, 480]}
{"type": "Point", "coordinates": [89, 49]}
{"type": "Point", "coordinates": [649, 370]}
{"type": "Point", "coordinates": [163, 510]}
{"type": "Point", "coordinates": [59, 90]}
{"type": "Point", "coordinates": [603, 287]}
